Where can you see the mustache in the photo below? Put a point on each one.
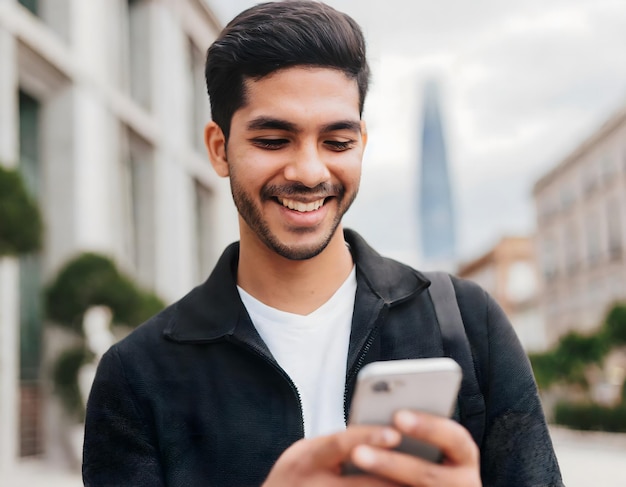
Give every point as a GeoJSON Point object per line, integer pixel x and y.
{"type": "Point", "coordinates": [322, 190]}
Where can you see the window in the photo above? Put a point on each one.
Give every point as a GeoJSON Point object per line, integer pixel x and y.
{"type": "Point", "coordinates": [548, 259]}
{"type": "Point", "coordinates": [571, 241]}
{"type": "Point", "coordinates": [199, 102]}
{"type": "Point", "coordinates": [592, 230]}
{"type": "Point", "coordinates": [613, 214]}
{"type": "Point", "coordinates": [30, 286]}
{"type": "Point", "coordinates": [589, 180]}
{"type": "Point", "coordinates": [31, 5]}
{"type": "Point", "coordinates": [204, 227]}
{"type": "Point", "coordinates": [608, 169]}
{"type": "Point", "coordinates": [139, 207]}
{"type": "Point", "coordinates": [567, 197]}
{"type": "Point", "coordinates": [30, 265]}
{"type": "Point", "coordinates": [521, 281]}
{"type": "Point", "coordinates": [547, 208]}
{"type": "Point", "coordinates": [138, 52]}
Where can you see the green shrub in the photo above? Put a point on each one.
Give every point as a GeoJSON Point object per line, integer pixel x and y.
{"type": "Point", "coordinates": [567, 361]}
{"type": "Point", "coordinates": [591, 417]}
{"type": "Point", "coordinates": [85, 281]}
{"type": "Point", "coordinates": [91, 280]}
{"type": "Point", "coordinates": [20, 221]}
{"type": "Point", "coordinates": [615, 324]}
{"type": "Point", "coordinates": [576, 348]}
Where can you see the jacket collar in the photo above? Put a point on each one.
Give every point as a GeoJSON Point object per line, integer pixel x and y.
{"type": "Point", "coordinates": [214, 309]}
{"type": "Point", "coordinates": [390, 280]}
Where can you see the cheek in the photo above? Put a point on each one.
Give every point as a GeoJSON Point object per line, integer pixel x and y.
{"type": "Point", "coordinates": [349, 171]}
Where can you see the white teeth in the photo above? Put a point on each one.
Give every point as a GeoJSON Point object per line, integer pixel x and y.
{"type": "Point", "coordinates": [300, 206]}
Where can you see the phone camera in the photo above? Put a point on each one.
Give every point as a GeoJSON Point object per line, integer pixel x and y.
{"type": "Point", "coordinates": [381, 386]}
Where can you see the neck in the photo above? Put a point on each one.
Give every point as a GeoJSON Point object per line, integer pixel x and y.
{"type": "Point", "coordinates": [298, 287]}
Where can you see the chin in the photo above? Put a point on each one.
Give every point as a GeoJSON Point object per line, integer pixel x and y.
{"type": "Point", "coordinates": [298, 251]}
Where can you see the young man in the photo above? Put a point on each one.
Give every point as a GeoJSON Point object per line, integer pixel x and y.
{"type": "Point", "coordinates": [248, 379]}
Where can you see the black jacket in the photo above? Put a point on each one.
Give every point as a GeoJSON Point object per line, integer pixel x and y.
{"type": "Point", "coordinates": [193, 397]}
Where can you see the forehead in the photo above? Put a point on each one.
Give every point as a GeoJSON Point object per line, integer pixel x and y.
{"type": "Point", "coordinates": [301, 92]}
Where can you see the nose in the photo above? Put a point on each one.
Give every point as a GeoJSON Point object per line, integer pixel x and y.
{"type": "Point", "coordinates": [307, 167]}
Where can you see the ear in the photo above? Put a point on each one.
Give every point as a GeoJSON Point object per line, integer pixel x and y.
{"type": "Point", "coordinates": [215, 143]}
{"type": "Point", "coordinates": [363, 133]}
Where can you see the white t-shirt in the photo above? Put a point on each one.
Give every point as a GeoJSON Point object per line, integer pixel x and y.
{"type": "Point", "coordinates": [313, 350]}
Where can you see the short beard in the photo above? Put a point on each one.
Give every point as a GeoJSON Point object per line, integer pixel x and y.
{"type": "Point", "coordinates": [251, 215]}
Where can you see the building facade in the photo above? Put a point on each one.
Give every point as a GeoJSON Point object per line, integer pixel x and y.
{"type": "Point", "coordinates": [509, 273]}
{"type": "Point", "coordinates": [102, 109]}
{"type": "Point", "coordinates": [581, 231]}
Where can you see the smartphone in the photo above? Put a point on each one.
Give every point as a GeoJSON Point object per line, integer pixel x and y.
{"type": "Point", "coordinates": [429, 385]}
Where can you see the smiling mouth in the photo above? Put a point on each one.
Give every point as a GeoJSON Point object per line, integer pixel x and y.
{"type": "Point", "coordinates": [301, 206]}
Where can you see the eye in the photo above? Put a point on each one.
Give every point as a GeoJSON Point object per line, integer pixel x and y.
{"type": "Point", "coordinates": [338, 145]}
{"type": "Point", "coordinates": [270, 144]}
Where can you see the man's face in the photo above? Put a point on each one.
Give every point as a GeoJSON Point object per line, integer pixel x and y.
{"type": "Point", "coordinates": [294, 158]}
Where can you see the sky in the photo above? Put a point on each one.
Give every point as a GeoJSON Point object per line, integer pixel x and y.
{"type": "Point", "coordinates": [522, 85]}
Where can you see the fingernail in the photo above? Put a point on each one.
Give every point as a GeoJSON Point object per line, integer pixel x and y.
{"type": "Point", "coordinates": [364, 456]}
{"type": "Point", "coordinates": [406, 420]}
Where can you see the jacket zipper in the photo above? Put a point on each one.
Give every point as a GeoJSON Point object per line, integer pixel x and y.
{"type": "Point", "coordinates": [278, 369]}
{"type": "Point", "coordinates": [359, 363]}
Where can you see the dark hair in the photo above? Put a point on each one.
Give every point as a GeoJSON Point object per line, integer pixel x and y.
{"type": "Point", "coordinates": [277, 35]}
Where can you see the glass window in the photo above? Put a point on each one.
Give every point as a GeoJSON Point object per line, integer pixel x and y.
{"type": "Point", "coordinates": [567, 197]}
{"type": "Point", "coordinates": [571, 249]}
{"type": "Point", "coordinates": [139, 207]}
{"type": "Point", "coordinates": [613, 213]}
{"type": "Point", "coordinates": [30, 271]}
{"type": "Point", "coordinates": [521, 281]}
{"type": "Point", "coordinates": [138, 52]}
{"type": "Point", "coordinates": [592, 231]}
{"type": "Point", "coordinates": [589, 180]}
{"type": "Point", "coordinates": [199, 102]}
{"type": "Point", "coordinates": [30, 265]}
{"type": "Point", "coordinates": [607, 167]}
{"type": "Point", "coordinates": [32, 5]}
{"type": "Point", "coordinates": [548, 259]}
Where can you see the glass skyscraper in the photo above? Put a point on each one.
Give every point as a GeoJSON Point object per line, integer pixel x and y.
{"type": "Point", "coordinates": [436, 212]}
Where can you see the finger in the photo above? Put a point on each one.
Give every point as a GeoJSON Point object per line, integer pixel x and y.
{"type": "Point", "coordinates": [450, 437]}
{"type": "Point", "coordinates": [335, 449]}
{"type": "Point", "coordinates": [402, 468]}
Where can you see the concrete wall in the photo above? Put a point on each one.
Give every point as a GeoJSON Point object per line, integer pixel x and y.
{"type": "Point", "coordinates": [581, 238]}
{"type": "Point", "coordinates": [105, 93]}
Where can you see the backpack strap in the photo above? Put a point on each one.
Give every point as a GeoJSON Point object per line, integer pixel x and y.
{"type": "Point", "coordinates": [456, 346]}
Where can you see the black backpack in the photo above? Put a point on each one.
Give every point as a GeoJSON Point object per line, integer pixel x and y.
{"type": "Point", "coordinates": [471, 403]}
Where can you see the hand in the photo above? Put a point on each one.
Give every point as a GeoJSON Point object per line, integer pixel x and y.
{"type": "Point", "coordinates": [318, 461]}
{"type": "Point", "coordinates": [460, 466]}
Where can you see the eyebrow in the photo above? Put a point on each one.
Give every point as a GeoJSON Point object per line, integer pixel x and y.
{"type": "Point", "coordinates": [350, 125]}
{"type": "Point", "coordinates": [269, 123]}
{"type": "Point", "coordinates": [265, 123]}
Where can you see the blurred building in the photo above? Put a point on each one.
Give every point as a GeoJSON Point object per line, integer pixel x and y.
{"type": "Point", "coordinates": [509, 273]}
{"type": "Point", "coordinates": [102, 106]}
{"type": "Point", "coordinates": [581, 231]}
{"type": "Point", "coordinates": [436, 212]}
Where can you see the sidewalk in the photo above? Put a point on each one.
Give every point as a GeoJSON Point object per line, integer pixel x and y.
{"type": "Point", "coordinates": [39, 473]}
{"type": "Point", "coordinates": [590, 458]}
